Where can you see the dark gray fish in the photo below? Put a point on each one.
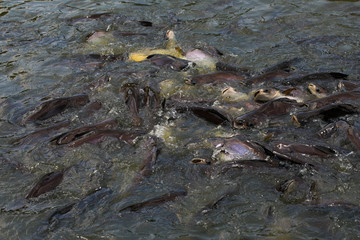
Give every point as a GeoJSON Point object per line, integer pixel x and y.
{"type": "Point", "coordinates": [265, 112]}
{"type": "Point", "coordinates": [340, 97]}
{"type": "Point", "coordinates": [171, 62]}
{"type": "Point", "coordinates": [332, 128]}
{"type": "Point", "coordinates": [168, 197]}
{"type": "Point", "coordinates": [246, 164]}
{"type": "Point", "coordinates": [78, 133]}
{"type": "Point", "coordinates": [323, 76]}
{"type": "Point", "coordinates": [53, 107]}
{"type": "Point", "coordinates": [326, 112]}
{"type": "Point", "coordinates": [224, 67]}
{"type": "Point", "coordinates": [354, 136]}
{"type": "Point", "coordinates": [274, 76]}
{"type": "Point", "coordinates": [74, 209]}
{"type": "Point", "coordinates": [348, 85]}
{"type": "Point", "coordinates": [46, 183]}
{"type": "Point", "coordinates": [109, 58]}
{"type": "Point", "coordinates": [151, 151]}
{"type": "Point", "coordinates": [302, 148]}
{"type": "Point", "coordinates": [286, 66]}
{"type": "Point", "coordinates": [99, 82]}
{"type": "Point", "coordinates": [99, 135]}
{"type": "Point", "coordinates": [294, 191]}
{"type": "Point", "coordinates": [42, 133]}
{"type": "Point", "coordinates": [96, 16]}
{"type": "Point", "coordinates": [209, 114]}
{"type": "Point", "coordinates": [146, 23]}
{"type": "Point", "coordinates": [151, 98]}
{"type": "Point", "coordinates": [213, 205]}
{"type": "Point", "coordinates": [132, 100]}
{"type": "Point", "coordinates": [90, 108]}
{"type": "Point", "coordinates": [217, 77]}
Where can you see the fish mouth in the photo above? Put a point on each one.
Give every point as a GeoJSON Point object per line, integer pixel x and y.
{"type": "Point", "coordinates": [188, 66]}
{"type": "Point", "coordinates": [190, 81]}
{"type": "Point", "coordinates": [203, 161]}
{"type": "Point", "coordinates": [257, 93]}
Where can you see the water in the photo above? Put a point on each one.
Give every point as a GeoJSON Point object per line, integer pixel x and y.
{"type": "Point", "coordinates": [44, 55]}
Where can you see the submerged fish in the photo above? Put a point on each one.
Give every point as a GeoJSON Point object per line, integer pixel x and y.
{"type": "Point", "coordinates": [91, 201]}
{"type": "Point", "coordinates": [168, 197]}
{"type": "Point", "coordinates": [78, 133]}
{"type": "Point", "coordinates": [99, 135]}
{"type": "Point", "coordinates": [215, 78]}
{"type": "Point", "coordinates": [35, 136]}
{"type": "Point", "coordinates": [46, 183]}
{"type": "Point", "coordinates": [53, 107]}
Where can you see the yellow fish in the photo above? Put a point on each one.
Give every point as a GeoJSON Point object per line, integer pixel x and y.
{"type": "Point", "coordinates": [172, 49]}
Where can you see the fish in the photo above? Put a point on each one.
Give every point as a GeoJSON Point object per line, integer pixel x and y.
{"type": "Point", "coordinates": [348, 85]}
{"type": "Point", "coordinates": [41, 133]}
{"type": "Point", "coordinates": [209, 114]}
{"type": "Point", "coordinates": [47, 183]}
{"type": "Point", "coordinates": [277, 75]}
{"type": "Point", "coordinates": [132, 100]}
{"type": "Point", "coordinates": [354, 136]}
{"type": "Point", "coordinates": [217, 77]}
{"type": "Point", "coordinates": [234, 148]}
{"type": "Point", "coordinates": [325, 76]}
{"type": "Point", "coordinates": [78, 133]}
{"type": "Point", "coordinates": [339, 97]}
{"type": "Point", "coordinates": [96, 136]}
{"type": "Point", "coordinates": [302, 148]}
{"type": "Point", "coordinates": [89, 202]}
{"type": "Point", "coordinates": [326, 112]}
{"type": "Point", "coordinates": [151, 152]}
{"type": "Point", "coordinates": [168, 197]}
{"type": "Point", "coordinates": [169, 61]}
{"type": "Point", "coordinates": [137, 97]}
{"type": "Point", "coordinates": [53, 107]}
{"type": "Point", "coordinates": [98, 82]}
{"type": "Point", "coordinates": [224, 67]}
{"type": "Point", "coordinates": [151, 98]}
{"type": "Point", "coordinates": [265, 112]}
{"type": "Point", "coordinates": [90, 109]}
{"type": "Point", "coordinates": [332, 128]}
{"type": "Point", "coordinates": [317, 91]}
{"type": "Point", "coordinates": [286, 66]}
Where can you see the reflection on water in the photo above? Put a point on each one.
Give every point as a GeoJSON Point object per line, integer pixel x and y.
{"type": "Point", "coordinates": [55, 49]}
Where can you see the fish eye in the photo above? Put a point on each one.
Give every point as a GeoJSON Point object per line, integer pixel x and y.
{"type": "Point", "coordinates": [266, 90]}
{"type": "Point", "coordinates": [317, 90]}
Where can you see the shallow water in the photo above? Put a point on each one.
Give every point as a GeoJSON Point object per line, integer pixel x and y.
{"type": "Point", "coordinates": [44, 55]}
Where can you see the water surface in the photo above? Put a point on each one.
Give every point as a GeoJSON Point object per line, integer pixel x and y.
{"type": "Point", "coordinates": [44, 55]}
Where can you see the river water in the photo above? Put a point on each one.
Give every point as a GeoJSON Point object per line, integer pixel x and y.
{"type": "Point", "coordinates": [44, 55]}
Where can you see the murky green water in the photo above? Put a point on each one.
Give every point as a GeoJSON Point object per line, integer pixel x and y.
{"type": "Point", "coordinates": [44, 55]}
